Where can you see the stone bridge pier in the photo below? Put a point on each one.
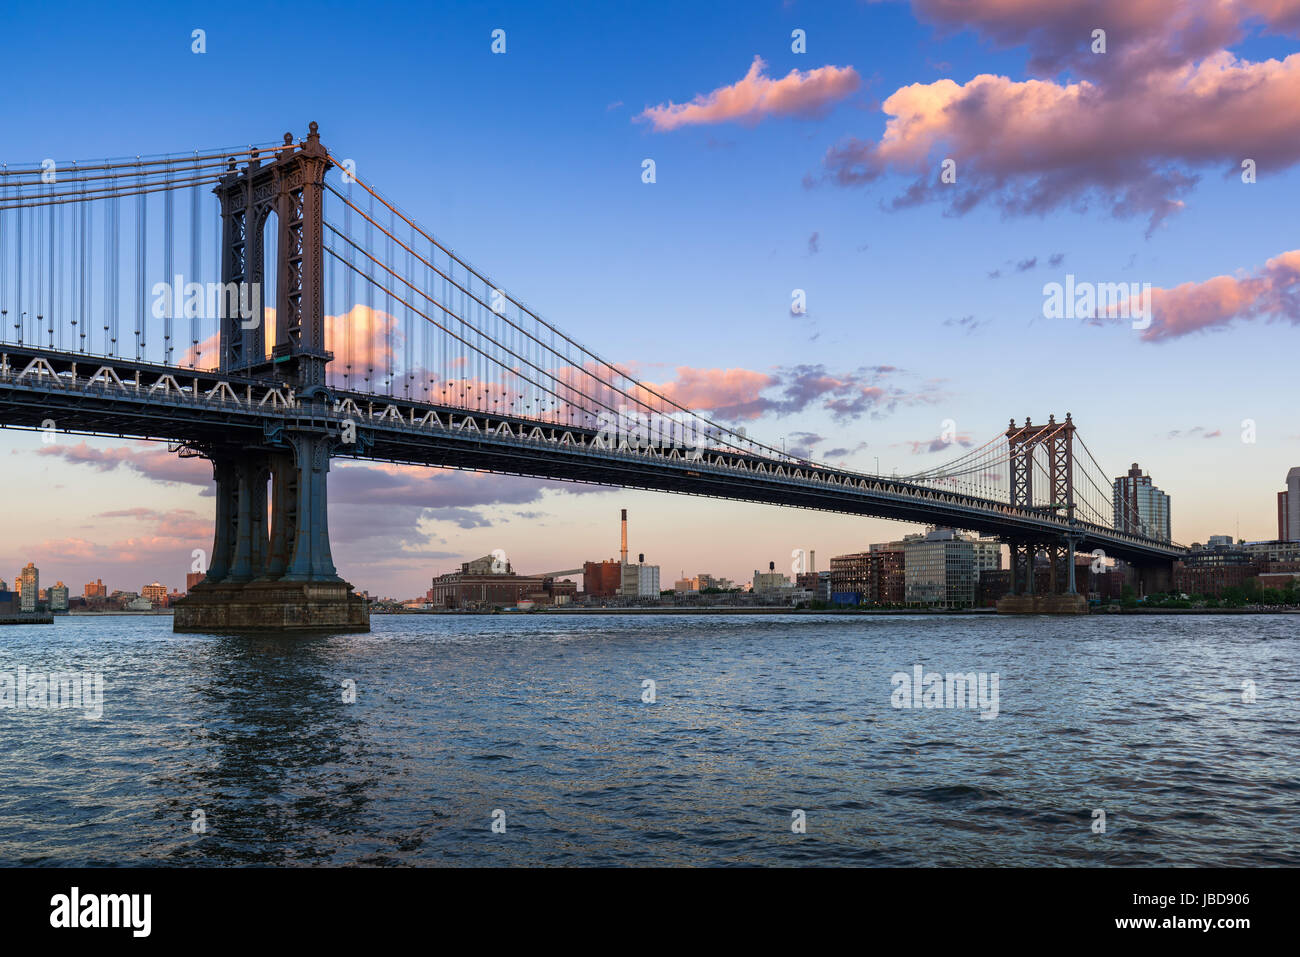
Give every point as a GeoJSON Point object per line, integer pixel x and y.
{"type": "Point", "coordinates": [275, 575]}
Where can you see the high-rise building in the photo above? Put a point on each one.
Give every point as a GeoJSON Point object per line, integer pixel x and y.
{"type": "Point", "coordinates": [192, 579]}
{"type": "Point", "coordinates": [29, 587]}
{"type": "Point", "coordinates": [1288, 508]}
{"type": "Point", "coordinates": [4, 585]}
{"type": "Point", "coordinates": [1140, 507]}
{"type": "Point", "coordinates": [58, 597]}
{"type": "Point", "coordinates": [96, 589]}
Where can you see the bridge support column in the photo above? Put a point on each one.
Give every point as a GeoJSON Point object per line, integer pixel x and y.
{"type": "Point", "coordinates": [227, 517]}
{"type": "Point", "coordinates": [311, 559]}
{"type": "Point", "coordinates": [286, 583]}
{"type": "Point", "coordinates": [249, 556]}
{"type": "Point", "coordinates": [1024, 601]}
{"type": "Point", "coordinates": [284, 515]}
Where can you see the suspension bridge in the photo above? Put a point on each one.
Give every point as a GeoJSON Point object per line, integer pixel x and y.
{"type": "Point", "coordinates": [303, 316]}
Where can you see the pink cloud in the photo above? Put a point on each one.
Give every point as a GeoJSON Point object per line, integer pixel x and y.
{"type": "Point", "coordinates": [738, 394]}
{"type": "Point", "coordinates": [153, 462]}
{"type": "Point", "coordinates": [733, 391]}
{"type": "Point", "coordinates": [1272, 291]}
{"type": "Point", "coordinates": [1140, 34]}
{"type": "Point", "coordinates": [757, 96]}
{"type": "Point", "coordinates": [1129, 133]}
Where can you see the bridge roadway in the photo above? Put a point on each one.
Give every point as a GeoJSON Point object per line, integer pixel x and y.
{"type": "Point", "coordinates": [121, 397]}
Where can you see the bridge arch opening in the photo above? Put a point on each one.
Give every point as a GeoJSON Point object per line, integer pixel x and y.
{"type": "Point", "coordinates": [270, 280]}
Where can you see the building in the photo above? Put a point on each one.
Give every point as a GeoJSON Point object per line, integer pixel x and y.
{"type": "Point", "coordinates": [817, 584]}
{"type": "Point", "coordinates": [602, 579]}
{"type": "Point", "coordinates": [29, 587]}
{"type": "Point", "coordinates": [1210, 569]}
{"type": "Point", "coordinates": [770, 581]}
{"type": "Point", "coordinates": [1140, 508]}
{"type": "Point", "coordinates": [58, 597]}
{"type": "Point", "coordinates": [96, 589]}
{"type": "Point", "coordinates": [192, 579]}
{"type": "Point", "coordinates": [850, 577]}
{"type": "Point", "coordinates": [139, 603]}
{"type": "Point", "coordinates": [488, 582]}
{"type": "Point", "coordinates": [874, 577]}
{"type": "Point", "coordinates": [4, 585]}
{"type": "Point", "coordinates": [639, 580]}
{"type": "Point", "coordinates": [889, 572]}
{"type": "Point", "coordinates": [942, 570]}
{"type": "Point", "coordinates": [156, 593]}
{"type": "Point", "coordinates": [1288, 508]}
{"type": "Point", "coordinates": [1275, 551]}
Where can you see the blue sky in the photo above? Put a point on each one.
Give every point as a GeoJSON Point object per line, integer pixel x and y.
{"type": "Point", "coordinates": [529, 164]}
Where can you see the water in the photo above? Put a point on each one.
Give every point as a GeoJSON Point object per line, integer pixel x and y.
{"type": "Point", "coordinates": [755, 717]}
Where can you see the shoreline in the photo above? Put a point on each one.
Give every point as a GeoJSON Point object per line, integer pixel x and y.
{"type": "Point", "coordinates": [769, 610]}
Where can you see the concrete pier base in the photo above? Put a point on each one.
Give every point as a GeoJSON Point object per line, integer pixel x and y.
{"type": "Point", "coordinates": [279, 606]}
{"type": "Point", "coordinates": [1043, 605]}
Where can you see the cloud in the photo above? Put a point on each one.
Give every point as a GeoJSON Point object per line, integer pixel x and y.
{"type": "Point", "coordinates": [814, 244]}
{"type": "Point", "coordinates": [432, 488]}
{"type": "Point", "coordinates": [150, 460]}
{"type": "Point", "coordinates": [939, 443]}
{"type": "Point", "coordinates": [842, 452]}
{"type": "Point", "coordinates": [1140, 34]}
{"type": "Point", "coordinates": [1271, 292]}
{"type": "Point", "coordinates": [969, 323]}
{"type": "Point", "coordinates": [735, 395]}
{"type": "Point", "coordinates": [749, 100]}
{"type": "Point", "coordinates": [800, 444]}
{"type": "Point", "coordinates": [1199, 431]}
{"type": "Point", "coordinates": [1128, 131]}
{"type": "Point", "coordinates": [175, 524]}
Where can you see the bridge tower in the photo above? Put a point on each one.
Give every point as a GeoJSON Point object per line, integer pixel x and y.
{"type": "Point", "coordinates": [1057, 441]}
{"type": "Point", "coordinates": [278, 574]}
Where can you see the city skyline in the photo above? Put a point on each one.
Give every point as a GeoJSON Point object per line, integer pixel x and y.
{"type": "Point", "coordinates": [800, 192]}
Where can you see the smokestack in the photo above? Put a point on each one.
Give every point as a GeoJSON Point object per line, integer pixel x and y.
{"type": "Point", "coordinates": [812, 562]}
{"type": "Point", "coordinates": [623, 549]}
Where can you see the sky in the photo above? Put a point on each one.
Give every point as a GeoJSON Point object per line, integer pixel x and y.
{"type": "Point", "coordinates": [821, 170]}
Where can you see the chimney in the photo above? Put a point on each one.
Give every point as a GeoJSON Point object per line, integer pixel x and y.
{"type": "Point", "coordinates": [623, 549]}
{"type": "Point", "coordinates": [812, 562]}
